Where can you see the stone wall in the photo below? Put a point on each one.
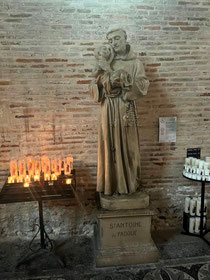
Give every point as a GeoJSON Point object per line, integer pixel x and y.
{"type": "Point", "coordinates": [45, 109]}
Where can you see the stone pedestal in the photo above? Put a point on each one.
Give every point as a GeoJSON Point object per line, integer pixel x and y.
{"type": "Point", "coordinates": [122, 237]}
{"type": "Point", "coordinates": [137, 200]}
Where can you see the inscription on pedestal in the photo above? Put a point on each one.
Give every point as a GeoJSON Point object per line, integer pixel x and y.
{"type": "Point", "coordinates": [124, 229]}
{"type": "Point", "coordinates": [129, 231]}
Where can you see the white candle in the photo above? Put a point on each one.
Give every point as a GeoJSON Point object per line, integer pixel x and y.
{"type": "Point", "coordinates": [187, 161]}
{"type": "Point", "coordinates": [198, 207]}
{"type": "Point", "coordinates": [198, 177]}
{"type": "Point", "coordinates": [205, 165]}
{"type": "Point", "coordinates": [197, 162]}
{"type": "Point", "coordinates": [205, 207]}
{"type": "Point", "coordinates": [204, 223]}
{"type": "Point", "coordinates": [198, 171]}
{"type": "Point", "coordinates": [187, 204]}
{"type": "Point", "coordinates": [201, 164]}
{"type": "Point", "coordinates": [194, 176]}
{"type": "Point", "coordinates": [192, 206]}
{"type": "Point", "coordinates": [194, 169]}
{"type": "Point", "coordinates": [188, 168]}
{"type": "Point", "coordinates": [190, 160]}
{"type": "Point", "coordinates": [206, 172]}
{"type": "Point", "coordinates": [193, 160]}
{"type": "Point", "coordinates": [187, 174]}
{"type": "Point", "coordinates": [197, 224]}
{"type": "Point", "coordinates": [207, 159]}
{"type": "Point", "coordinates": [203, 178]}
{"type": "Point", "coordinates": [192, 225]}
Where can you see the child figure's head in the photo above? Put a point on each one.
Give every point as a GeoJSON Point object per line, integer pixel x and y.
{"type": "Point", "coordinates": [104, 52]}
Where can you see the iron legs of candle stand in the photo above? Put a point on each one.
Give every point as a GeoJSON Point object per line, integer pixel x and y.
{"type": "Point", "coordinates": [202, 232]}
{"type": "Point", "coordinates": [44, 240]}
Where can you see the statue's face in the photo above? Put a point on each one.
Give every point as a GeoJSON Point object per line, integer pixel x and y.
{"type": "Point", "coordinates": [117, 40]}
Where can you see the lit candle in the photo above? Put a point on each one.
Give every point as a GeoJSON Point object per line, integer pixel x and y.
{"type": "Point", "coordinates": [67, 169]}
{"type": "Point", "coordinates": [26, 184]}
{"type": "Point", "coordinates": [36, 177]}
{"type": "Point", "coordinates": [58, 167]}
{"type": "Point", "coordinates": [70, 160]}
{"type": "Point", "coordinates": [19, 179]}
{"type": "Point", "coordinates": [27, 179]}
{"type": "Point", "coordinates": [62, 164]}
{"type": "Point", "coordinates": [30, 164]}
{"type": "Point", "coordinates": [53, 165]}
{"type": "Point", "coordinates": [53, 177]}
{"type": "Point", "coordinates": [22, 168]}
{"type": "Point", "coordinates": [13, 168]}
{"type": "Point", "coordinates": [45, 164]}
{"type": "Point", "coordinates": [68, 181]}
{"type": "Point", "coordinates": [11, 180]}
{"type": "Point", "coordinates": [46, 176]}
{"type": "Point", "coordinates": [37, 167]}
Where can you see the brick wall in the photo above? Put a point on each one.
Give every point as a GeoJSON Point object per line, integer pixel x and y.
{"type": "Point", "coordinates": [45, 109]}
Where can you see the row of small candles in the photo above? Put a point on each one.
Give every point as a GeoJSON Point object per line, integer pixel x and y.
{"type": "Point", "coordinates": [26, 171]}
{"type": "Point", "coordinates": [197, 169]}
{"type": "Point", "coordinates": [192, 207]}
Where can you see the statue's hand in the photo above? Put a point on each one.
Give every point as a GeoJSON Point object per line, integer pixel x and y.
{"type": "Point", "coordinates": [129, 96]}
{"type": "Point", "coordinates": [104, 65]}
{"type": "Point", "coordinates": [120, 78]}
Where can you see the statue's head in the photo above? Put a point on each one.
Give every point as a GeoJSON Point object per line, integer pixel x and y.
{"type": "Point", "coordinates": [117, 39]}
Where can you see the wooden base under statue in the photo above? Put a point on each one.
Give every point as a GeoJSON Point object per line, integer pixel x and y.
{"type": "Point", "coordinates": [123, 237]}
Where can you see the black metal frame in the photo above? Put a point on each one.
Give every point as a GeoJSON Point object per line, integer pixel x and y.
{"type": "Point", "coordinates": [202, 231]}
{"type": "Point", "coordinates": [39, 191]}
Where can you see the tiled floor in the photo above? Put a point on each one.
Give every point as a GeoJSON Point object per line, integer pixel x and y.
{"type": "Point", "coordinates": [182, 257]}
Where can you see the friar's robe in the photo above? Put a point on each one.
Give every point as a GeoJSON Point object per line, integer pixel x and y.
{"type": "Point", "coordinates": [118, 168]}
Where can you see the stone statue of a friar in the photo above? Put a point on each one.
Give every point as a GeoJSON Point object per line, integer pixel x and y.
{"type": "Point", "coordinates": [119, 81]}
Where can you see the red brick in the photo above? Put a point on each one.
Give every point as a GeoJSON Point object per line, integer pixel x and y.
{"type": "Point", "coordinates": [178, 23]}
{"type": "Point", "coordinates": [190, 28]}
{"type": "Point", "coordinates": [56, 60]}
{"type": "Point", "coordinates": [28, 60]}
{"type": "Point", "coordinates": [84, 82]}
{"type": "Point", "coordinates": [5, 83]}
{"type": "Point", "coordinates": [152, 27]}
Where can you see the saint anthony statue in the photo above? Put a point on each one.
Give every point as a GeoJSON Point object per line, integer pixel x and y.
{"type": "Point", "coordinates": [119, 80]}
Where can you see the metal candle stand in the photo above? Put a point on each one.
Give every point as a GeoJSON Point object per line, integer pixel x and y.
{"type": "Point", "coordinates": [202, 232]}
{"type": "Point", "coordinates": [39, 191]}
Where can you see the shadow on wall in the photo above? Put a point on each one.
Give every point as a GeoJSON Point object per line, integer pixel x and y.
{"type": "Point", "coordinates": [157, 159]}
